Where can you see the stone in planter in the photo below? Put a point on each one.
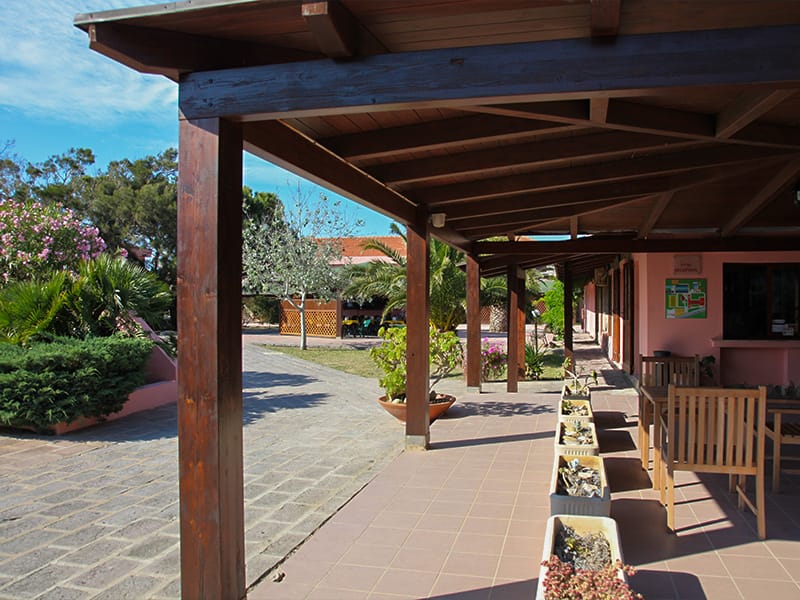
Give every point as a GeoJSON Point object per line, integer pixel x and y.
{"type": "Point", "coordinates": [582, 525]}
{"type": "Point", "coordinates": [561, 502]}
{"type": "Point", "coordinates": [577, 437]}
{"type": "Point", "coordinates": [575, 410]}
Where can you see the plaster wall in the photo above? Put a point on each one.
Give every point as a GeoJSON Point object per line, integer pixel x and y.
{"type": "Point", "coordinates": [743, 362]}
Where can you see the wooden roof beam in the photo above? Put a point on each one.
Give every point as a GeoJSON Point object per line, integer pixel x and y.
{"type": "Point", "coordinates": [496, 74]}
{"type": "Point", "coordinates": [623, 115]}
{"type": "Point", "coordinates": [655, 214]}
{"type": "Point", "coordinates": [170, 53]}
{"type": "Point", "coordinates": [782, 180]}
{"type": "Point", "coordinates": [747, 108]}
{"type": "Point", "coordinates": [617, 245]}
{"type": "Point", "coordinates": [605, 17]}
{"type": "Point", "coordinates": [551, 151]}
{"type": "Point", "coordinates": [444, 133]}
{"type": "Point", "coordinates": [686, 159]}
{"type": "Point", "coordinates": [333, 27]}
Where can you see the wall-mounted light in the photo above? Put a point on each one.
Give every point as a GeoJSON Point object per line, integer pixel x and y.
{"type": "Point", "coordinates": [797, 194]}
{"type": "Point", "coordinates": [438, 219]}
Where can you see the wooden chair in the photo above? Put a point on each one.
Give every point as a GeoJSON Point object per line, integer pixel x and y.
{"type": "Point", "coordinates": [782, 431]}
{"type": "Point", "coordinates": [715, 430]}
{"type": "Point", "coordinates": [660, 371]}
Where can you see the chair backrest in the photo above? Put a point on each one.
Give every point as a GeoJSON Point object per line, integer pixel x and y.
{"type": "Point", "coordinates": [716, 430]}
{"type": "Point", "coordinates": [663, 370]}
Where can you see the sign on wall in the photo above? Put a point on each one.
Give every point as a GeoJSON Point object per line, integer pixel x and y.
{"type": "Point", "coordinates": [686, 299]}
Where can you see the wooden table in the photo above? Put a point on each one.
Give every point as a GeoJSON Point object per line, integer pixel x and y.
{"type": "Point", "coordinates": [652, 402]}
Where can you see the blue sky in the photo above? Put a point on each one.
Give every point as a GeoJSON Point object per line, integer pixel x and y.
{"type": "Point", "coordinates": [56, 94]}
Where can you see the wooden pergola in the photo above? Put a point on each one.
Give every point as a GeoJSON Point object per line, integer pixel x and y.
{"type": "Point", "coordinates": [626, 126]}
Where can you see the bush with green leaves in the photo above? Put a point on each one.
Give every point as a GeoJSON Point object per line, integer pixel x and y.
{"type": "Point", "coordinates": [446, 354]}
{"type": "Point", "coordinates": [554, 315]}
{"type": "Point", "coordinates": [60, 381]}
{"type": "Point", "coordinates": [99, 300]}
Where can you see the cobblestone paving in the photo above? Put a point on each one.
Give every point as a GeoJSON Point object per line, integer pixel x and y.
{"type": "Point", "coordinates": [95, 514]}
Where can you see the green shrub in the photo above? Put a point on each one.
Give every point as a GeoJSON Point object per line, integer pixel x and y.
{"type": "Point", "coordinates": [62, 380]}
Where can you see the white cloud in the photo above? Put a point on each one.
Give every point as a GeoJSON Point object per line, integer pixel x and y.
{"type": "Point", "coordinates": [47, 68]}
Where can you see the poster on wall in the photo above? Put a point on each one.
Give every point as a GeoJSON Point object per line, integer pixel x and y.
{"type": "Point", "coordinates": [686, 299]}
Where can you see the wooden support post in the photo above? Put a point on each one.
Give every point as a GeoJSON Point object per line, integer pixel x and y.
{"type": "Point", "coordinates": [418, 340]}
{"type": "Point", "coordinates": [569, 353]}
{"type": "Point", "coordinates": [616, 333]}
{"type": "Point", "coordinates": [521, 324]}
{"type": "Point", "coordinates": [473, 325]}
{"type": "Point", "coordinates": [512, 343]}
{"type": "Point", "coordinates": [210, 359]}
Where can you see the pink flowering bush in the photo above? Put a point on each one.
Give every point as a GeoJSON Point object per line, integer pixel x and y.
{"type": "Point", "coordinates": [493, 360]}
{"type": "Point", "coordinates": [564, 582]}
{"type": "Point", "coordinates": [36, 239]}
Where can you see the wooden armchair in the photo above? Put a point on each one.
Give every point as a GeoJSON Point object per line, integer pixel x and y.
{"type": "Point", "coordinates": [782, 431]}
{"type": "Point", "coordinates": [715, 430]}
{"type": "Point", "coordinates": [660, 371]}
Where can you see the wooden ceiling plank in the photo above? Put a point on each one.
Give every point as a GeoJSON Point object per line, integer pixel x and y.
{"type": "Point", "coordinates": [169, 53]}
{"type": "Point", "coordinates": [429, 135]}
{"type": "Point", "coordinates": [494, 74]}
{"type": "Point", "coordinates": [747, 108]}
{"type": "Point", "coordinates": [599, 145]}
{"type": "Point", "coordinates": [605, 17]}
{"type": "Point", "coordinates": [655, 214]}
{"type": "Point", "coordinates": [616, 245]}
{"type": "Point", "coordinates": [783, 179]}
{"type": "Point", "coordinates": [333, 27]}
{"type": "Point", "coordinates": [281, 145]}
{"type": "Point", "coordinates": [575, 176]}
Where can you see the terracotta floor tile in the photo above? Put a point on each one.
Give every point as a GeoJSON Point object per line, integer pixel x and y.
{"type": "Point", "coordinates": [419, 559]}
{"type": "Point", "coordinates": [451, 508]}
{"type": "Point", "coordinates": [517, 567]}
{"type": "Point", "coordinates": [707, 563]}
{"type": "Point", "coordinates": [513, 589]}
{"type": "Point", "coordinates": [754, 567]}
{"type": "Point", "coordinates": [792, 566]}
{"type": "Point", "coordinates": [479, 544]}
{"type": "Point", "coordinates": [322, 593]}
{"type": "Point", "coordinates": [485, 526]}
{"type": "Point", "coordinates": [430, 540]}
{"type": "Point", "coordinates": [759, 589]}
{"type": "Point", "coordinates": [417, 583]}
{"type": "Point", "coordinates": [492, 511]}
{"type": "Point", "coordinates": [463, 587]}
{"type": "Point", "coordinates": [383, 536]}
{"type": "Point", "coordinates": [396, 519]}
{"type": "Point", "coordinates": [369, 555]}
{"type": "Point", "coordinates": [523, 546]}
{"type": "Point", "coordinates": [463, 563]}
{"type": "Point", "coordinates": [351, 577]}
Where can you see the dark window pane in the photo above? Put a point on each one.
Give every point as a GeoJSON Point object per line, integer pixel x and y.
{"type": "Point", "coordinates": [744, 301]}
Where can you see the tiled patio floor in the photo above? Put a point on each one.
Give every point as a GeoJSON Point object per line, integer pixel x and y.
{"type": "Point", "coordinates": [466, 519]}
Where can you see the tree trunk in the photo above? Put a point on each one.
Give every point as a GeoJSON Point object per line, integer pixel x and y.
{"type": "Point", "coordinates": [302, 310]}
{"type": "Point", "coordinates": [498, 318]}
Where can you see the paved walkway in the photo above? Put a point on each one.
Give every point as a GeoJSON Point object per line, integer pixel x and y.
{"type": "Point", "coordinates": [95, 514]}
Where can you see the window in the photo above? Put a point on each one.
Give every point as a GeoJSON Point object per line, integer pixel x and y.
{"type": "Point", "coordinates": [761, 301]}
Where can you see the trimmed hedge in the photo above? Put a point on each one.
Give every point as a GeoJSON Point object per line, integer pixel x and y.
{"type": "Point", "coordinates": [59, 381]}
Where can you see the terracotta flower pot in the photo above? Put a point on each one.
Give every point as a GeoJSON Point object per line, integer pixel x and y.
{"type": "Point", "coordinates": [436, 409]}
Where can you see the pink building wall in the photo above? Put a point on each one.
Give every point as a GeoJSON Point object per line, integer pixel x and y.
{"type": "Point", "coordinates": [747, 362]}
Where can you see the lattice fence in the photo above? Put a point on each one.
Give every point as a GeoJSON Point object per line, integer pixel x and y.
{"type": "Point", "coordinates": [319, 322]}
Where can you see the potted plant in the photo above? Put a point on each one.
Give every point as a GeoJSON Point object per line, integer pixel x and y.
{"type": "Point", "coordinates": [579, 486]}
{"type": "Point", "coordinates": [577, 437]}
{"type": "Point", "coordinates": [578, 386]}
{"type": "Point", "coordinates": [575, 410]}
{"type": "Point", "coordinates": [446, 355]}
{"type": "Point", "coordinates": [582, 558]}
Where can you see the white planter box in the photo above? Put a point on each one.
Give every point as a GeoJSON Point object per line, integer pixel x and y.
{"type": "Point", "coordinates": [562, 416]}
{"type": "Point", "coordinates": [592, 449]}
{"type": "Point", "coordinates": [568, 394]}
{"type": "Point", "coordinates": [581, 524]}
{"type": "Point", "coordinates": [562, 504]}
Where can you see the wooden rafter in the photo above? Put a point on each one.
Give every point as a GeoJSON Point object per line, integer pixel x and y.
{"type": "Point", "coordinates": [655, 213]}
{"type": "Point", "coordinates": [280, 144]}
{"type": "Point", "coordinates": [444, 133]}
{"type": "Point", "coordinates": [687, 159]}
{"type": "Point", "coordinates": [624, 115]}
{"type": "Point", "coordinates": [747, 108]}
{"type": "Point", "coordinates": [605, 245]}
{"type": "Point", "coordinates": [333, 27]}
{"type": "Point", "coordinates": [605, 17]}
{"type": "Point", "coordinates": [497, 74]}
{"type": "Point", "coordinates": [552, 151]}
{"type": "Point", "coordinates": [782, 180]}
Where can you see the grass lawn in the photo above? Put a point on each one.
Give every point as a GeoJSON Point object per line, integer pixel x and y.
{"type": "Point", "coordinates": [358, 362]}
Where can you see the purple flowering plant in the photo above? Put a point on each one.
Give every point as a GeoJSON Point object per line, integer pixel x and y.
{"type": "Point", "coordinates": [494, 360]}
{"type": "Point", "coordinates": [37, 239]}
